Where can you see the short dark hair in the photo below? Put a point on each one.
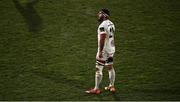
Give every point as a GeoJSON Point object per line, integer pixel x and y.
{"type": "Point", "coordinates": [106, 11]}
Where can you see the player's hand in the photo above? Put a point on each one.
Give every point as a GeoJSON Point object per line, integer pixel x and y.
{"type": "Point", "coordinates": [100, 55]}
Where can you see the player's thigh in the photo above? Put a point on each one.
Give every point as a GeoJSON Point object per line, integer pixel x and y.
{"type": "Point", "coordinates": [101, 61]}
{"type": "Point", "coordinates": [109, 61]}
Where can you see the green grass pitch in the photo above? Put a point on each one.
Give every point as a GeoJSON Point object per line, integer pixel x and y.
{"type": "Point", "coordinates": [48, 49]}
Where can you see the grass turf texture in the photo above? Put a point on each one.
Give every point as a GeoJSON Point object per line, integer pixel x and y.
{"type": "Point", "coordinates": [48, 48]}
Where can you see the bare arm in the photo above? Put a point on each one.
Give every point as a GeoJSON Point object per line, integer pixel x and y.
{"type": "Point", "coordinates": [102, 41]}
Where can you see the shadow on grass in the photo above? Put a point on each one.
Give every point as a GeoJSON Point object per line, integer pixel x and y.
{"type": "Point", "coordinates": [30, 15]}
{"type": "Point", "coordinates": [75, 84]}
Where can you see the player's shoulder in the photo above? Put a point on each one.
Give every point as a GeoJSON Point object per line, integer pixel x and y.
{"type": "Point", "coordinates": [104, 23]}
{"type": "Point", "coordinates": [110, 22]}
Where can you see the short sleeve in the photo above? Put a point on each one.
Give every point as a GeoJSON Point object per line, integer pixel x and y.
{"type": "Point", "coordinates": [102, 29]}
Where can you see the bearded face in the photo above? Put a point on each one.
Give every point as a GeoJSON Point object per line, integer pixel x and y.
{"type": "Point", "coordinates": [100, 16]}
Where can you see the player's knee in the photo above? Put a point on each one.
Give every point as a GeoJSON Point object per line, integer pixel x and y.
{"type": "Point", "coordinates": [110, 67]}
{"type": "Point", "coordinates": [98, 73]}
{"type": "Point", "coordinates": [99, 69]}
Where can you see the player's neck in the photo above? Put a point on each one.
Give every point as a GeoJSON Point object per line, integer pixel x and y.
{"type": "Point", "coordinates": [104, 20]}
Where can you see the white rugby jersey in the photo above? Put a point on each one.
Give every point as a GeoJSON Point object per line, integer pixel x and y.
{"type": "Point", "coordinates": [107, 27]}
